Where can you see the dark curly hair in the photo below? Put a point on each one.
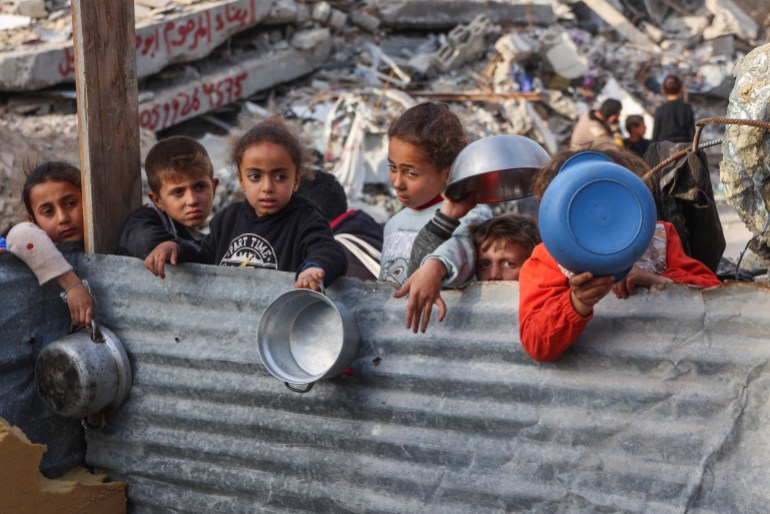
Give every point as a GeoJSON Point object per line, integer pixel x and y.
{"type": "Point", "coordinates": [621, 156]}
{"type": "Point", "coordinates": [434, 128]}
{"type": "Point", "coordinates": [277, 131]}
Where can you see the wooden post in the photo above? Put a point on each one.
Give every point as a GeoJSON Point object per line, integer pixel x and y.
{"type": "Point", "coordinates": [108, 120]}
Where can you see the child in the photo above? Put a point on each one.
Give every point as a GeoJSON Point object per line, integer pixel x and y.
{"type": "Point", "coordinates": [357, 232]}
{"type": "Point", "coordinates": [52, 197]}
{"type": "Point", "coordinates": [424, 142]}
{"type": "Point", "coordinates": [556, 305]}
{"type": "Point", "coordinates": [503, 244]}
{"type": "Point", "coordinates": [674, 120]}
{"type": "Point", "coordinates": [272, 228]}
{"type": "Point", "coordinates": [636, 129]}
{"type": "Point", "coordinates": [182, 187]}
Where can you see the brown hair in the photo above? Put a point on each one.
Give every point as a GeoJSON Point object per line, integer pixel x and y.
{"type": "Point", "coordinates": [277, 131]}
{"type": "Point", "coordinates": [434, 128]}
{"type": "Point", "coordinates": [176, 156]}
{"type": "Point", "coordinates": [672, 85]}
{"type": "Point", "coordinates": [511, 228]}
{"type": "Point", "coordinates": [620, 156]}
{"type": "Point", "coordinates": [53, 171]}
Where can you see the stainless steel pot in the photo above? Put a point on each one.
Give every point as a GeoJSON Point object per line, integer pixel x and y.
{"type": "Point", "coordinates": [85, 374]}
{"type": "Point", "coordinates": [303, 336]}
{"type": "Point", "coordinates": [498, 168]}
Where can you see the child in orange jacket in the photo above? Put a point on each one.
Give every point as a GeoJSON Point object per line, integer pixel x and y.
{"type": "Point", "coordinates": [555, 305]}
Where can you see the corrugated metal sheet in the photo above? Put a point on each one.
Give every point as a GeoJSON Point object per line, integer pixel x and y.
{"type": "Point", "coordinates": [661, 407]}
{"type": "Point", "coordinates": [31, 317]}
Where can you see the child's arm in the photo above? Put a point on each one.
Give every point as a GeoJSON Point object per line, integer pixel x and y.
{"type": "Point", "coordinates": [452, 264]}
{"type": "Point", "coordinates": [554, 310]}
{"type": "Point", "coordinates": [681, 268]}
{"type": "Point", "coordinates": [32, 245]}
{"type": "Point", "coordinates": [310, 278]}
{"type": "Point", "coordinates": [165, 252]}
{"type": "Point", "coordinates": [320, 251]}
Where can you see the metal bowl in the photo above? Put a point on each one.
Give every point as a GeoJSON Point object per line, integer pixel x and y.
{"type": "Point", "coordinates": [498, 168]}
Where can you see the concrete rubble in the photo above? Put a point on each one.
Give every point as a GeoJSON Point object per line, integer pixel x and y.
{"type": "Point", "coordinates": [344, 68]}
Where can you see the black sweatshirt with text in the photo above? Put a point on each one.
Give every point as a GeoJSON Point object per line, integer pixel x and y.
{"type": "Point", "coordinates": [294, 238]}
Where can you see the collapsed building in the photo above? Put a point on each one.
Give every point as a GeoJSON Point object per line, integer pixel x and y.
{"type": "Point", "coordinates": [661, 407]}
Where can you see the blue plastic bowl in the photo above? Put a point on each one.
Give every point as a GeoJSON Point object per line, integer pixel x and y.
{"type": "Point", "coordinates": [596, 216]}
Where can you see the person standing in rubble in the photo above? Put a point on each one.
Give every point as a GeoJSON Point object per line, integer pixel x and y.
{"type": "Point", "coordinates": [674, 120]}
{"type": "Point", "coordinates": [597, 127]}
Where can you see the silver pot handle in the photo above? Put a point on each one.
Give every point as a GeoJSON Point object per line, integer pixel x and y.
{"type": "Point", "coordinates": [298, 390]}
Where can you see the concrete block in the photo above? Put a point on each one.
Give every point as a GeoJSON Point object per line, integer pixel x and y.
{"type": "Point", "coordinates": [364, 20]}
{"type": "Point", "coordinates": [176, 38]}
{"type": "Point", "coordinates": [563, 55]}
{"type": "Point", "coordinates": [229, 83]}
{"type": "Point", "coordinates": [464, 42]}
{"type": "Point", "coordinates": [309, 39]}
{"type": "Point", "coordinates": [337, 20]}
{"type": "Point", "coordinates": [31, 8]}
{"type": "Point", "coordinates": [321, 12]}
{"type": "Point", "coordinates": [445, 14]}
{"type": "Point", "coordinates": [282, 11]}
{"type": "Point", "coordinates": [729, 18]}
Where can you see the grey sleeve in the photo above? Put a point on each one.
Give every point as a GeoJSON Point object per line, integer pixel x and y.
{"type": "Point", "coordinates": [432, 235]}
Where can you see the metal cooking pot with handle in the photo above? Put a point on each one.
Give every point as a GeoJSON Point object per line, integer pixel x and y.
{"type": "Point", "coordinates": [84, 374]}
{"type": "Point", "coordinates": [304, 336]}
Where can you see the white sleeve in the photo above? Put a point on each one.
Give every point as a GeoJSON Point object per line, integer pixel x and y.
{"type": "Point", "coordinates": [458, 253]}
{"type": "Point", "coordinates": [31, 244]}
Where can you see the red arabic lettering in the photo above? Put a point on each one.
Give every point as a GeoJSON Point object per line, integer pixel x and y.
{"type": "Point", "coordinates": [67, 67]}
{"type": "Point", "coordinates": [234, 14]}
{"type": "Point", "coordinates": [238, 92]}
{"type": "Point", "coordinates": [220, 24]}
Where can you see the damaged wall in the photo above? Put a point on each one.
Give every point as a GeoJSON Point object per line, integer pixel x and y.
{"type": "Point", "coordinates": [661, 406]}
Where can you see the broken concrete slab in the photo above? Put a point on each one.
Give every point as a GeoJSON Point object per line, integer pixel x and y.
{"type": "Point", "coordinates": [182, 38]}
{"type": "Point", "coordinates": [230, 83]}
{"type": "Point", "coordinates": [445, 14]}
{"type": "Point", "coordinates": [563, 55]}
{"type": "Point", "coordinates": [730, 19]}
{"type": "Point", "coordinates": [622, 25]}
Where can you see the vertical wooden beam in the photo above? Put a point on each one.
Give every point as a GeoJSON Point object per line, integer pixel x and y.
{"type": "Point", "coordinates": [108, 120]}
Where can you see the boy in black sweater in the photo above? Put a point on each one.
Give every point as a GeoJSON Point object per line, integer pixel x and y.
{"type": "Point", "coordinates": [674, 120]}
{"type": "Point", "coordinates": [182, 187]}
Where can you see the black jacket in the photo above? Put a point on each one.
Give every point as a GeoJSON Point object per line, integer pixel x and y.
{"type": "Point", "coordinates": [675, 122]}
{"type": "Point", "coordinates": [147, 227]}
{"type": "Point", "coordinates": [363, 226]}
{"type": "Point", "coordinates": [292, 239]}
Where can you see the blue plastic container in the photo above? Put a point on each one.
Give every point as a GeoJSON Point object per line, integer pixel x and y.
{"type": "Point", "coordinates": [597, 216]}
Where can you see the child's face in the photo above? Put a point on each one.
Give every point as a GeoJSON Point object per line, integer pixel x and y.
{"type": "Point", "coordinates": [415, 178]}
{"type": "Point", "coordinates": [638, 131]}
{"type": "Point", "coordinates": [501, 261]}
{"type": "Point", "coordinates": [186, 199]}
{"type": "Point", "coordinates": [58, 210]}
{"type": "Point", "coordinates": [268, 177]}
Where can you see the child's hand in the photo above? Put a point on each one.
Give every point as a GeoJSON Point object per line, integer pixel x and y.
{"type": "Point", "coordinates": [424, 289]}
{"type": "Point", "coordinates": [637, 277]}
{"type": "Point", "coordinates": [587, 290]}
{"type": "Point", "coordinates": [458, 209]}
{"type": "Point", "coordinates": [310, 278]}
{"type": "Point", "coordinates": [164, 252]}
{"type": "Point", "coordinates": [81, 305]}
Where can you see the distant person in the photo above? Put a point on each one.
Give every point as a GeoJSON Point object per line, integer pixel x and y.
{"type": "Point", "coordinates": [598, 127]}
{"type": "Point", "coordinates": [636, 129]}
{"type": "Point", "coordinates": [503, 244]}
{"type": "Point", "coordinates": [555, 305]}
{"type": "Point", "coordinates": [272, 228]}
{"type": "Point", "coordinates": [358, 233]}
{"type": "Point", "coordinates": [53, 199]}
{"type": "Point", "coordinates": [674, 120]}
{"type": "Point", "coordinates": [182, 187]}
